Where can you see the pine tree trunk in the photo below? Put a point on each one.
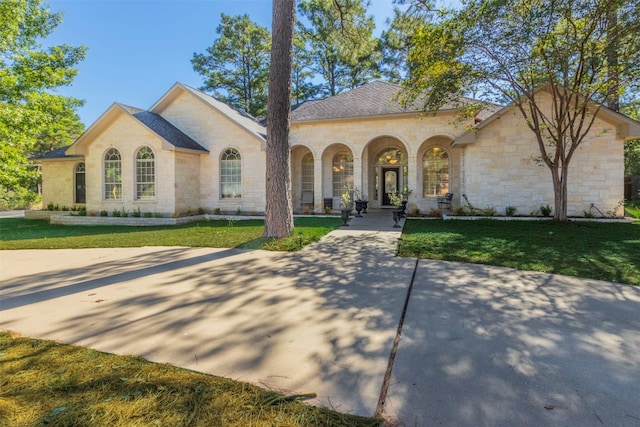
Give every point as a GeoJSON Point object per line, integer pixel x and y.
{"type": "Point", "coordinates": [278, 220]}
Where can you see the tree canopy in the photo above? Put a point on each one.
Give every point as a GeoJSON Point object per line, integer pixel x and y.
{"type": "Point", "coordinates": [583, 53]}
{"type": "Point", "coordinates": [33, 119]}
{"type": "Point", "coordinates": [236, 66]}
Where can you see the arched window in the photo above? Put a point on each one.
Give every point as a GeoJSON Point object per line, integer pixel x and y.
{"type": "Point", "coordinates": [435, 172]}
{"type": "Point", "coordinates": [80, 192]}
{"type": "Point", "coordinates": [342, 172]}
{"type": "Point", "coordinates": [307, 172]}
{"type": "Point", "coordinates": [145, 174]}
{"type": "Point", "coordinates": [112, 175]}
{"type": "Point", "coordinates": [230, 174]}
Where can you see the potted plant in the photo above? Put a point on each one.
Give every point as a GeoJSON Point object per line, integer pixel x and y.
{"type": "Point", "coordinates": [359, 202]}
{"type": "Point", "coordinates": [346, 205]}
{"type": "Point", "coordinates": [397, 200]}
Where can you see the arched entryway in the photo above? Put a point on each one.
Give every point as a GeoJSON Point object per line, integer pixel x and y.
{"type": "Point", "coordinates": [303, 177]}
{"type": "Point", "coordinates": [388, 169]}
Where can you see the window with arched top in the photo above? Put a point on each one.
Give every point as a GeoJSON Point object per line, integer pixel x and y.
{"type": "Point", "coordinates": [435, 172]}
{"type": "Point", "coordinates": [307, 172]}
{"type": "Point", "coordinates": [342, 167]}
{"type": "Point", "coordinates": [230, 174]}
{"type": "Point", "coordinates": [145, 174]}
{"type": "Point", "coordinates": [80, 183]}
{"type": "Point", "coordinates": [112, 175]}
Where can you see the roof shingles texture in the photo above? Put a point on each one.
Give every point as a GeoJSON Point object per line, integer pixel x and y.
{"type": "Point", "coordinates": [373, 99]}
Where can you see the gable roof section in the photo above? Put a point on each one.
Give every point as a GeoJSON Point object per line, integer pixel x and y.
{"type": "Point", "coordinates": [156, 124]}
{"type": "Point", "coordinates": [240, 118]}
{"type": "Point", "coordinates": [626, 127]}
{"type": "Point", "coordinates": [164, 129]}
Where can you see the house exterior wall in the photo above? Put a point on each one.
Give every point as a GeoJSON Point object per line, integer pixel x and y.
{"type": "Point", "coordinates": [413, 132]}
{"type": "Point", "coordinates": [216, 133]}
{"type": "Point", "coordinates": [500, 169]}
{"type": "Point", "coordinates": [58, 182]}
{"type": "Point", "coordinates": [128, 136]}
{"type": "Point", "coordinates": [187, 186]}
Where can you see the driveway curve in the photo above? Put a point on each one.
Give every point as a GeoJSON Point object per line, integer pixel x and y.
{"type": "Point", "coordinates": [480, 345]}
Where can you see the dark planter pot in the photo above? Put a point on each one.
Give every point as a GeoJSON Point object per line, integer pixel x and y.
{"type": "Point", "coordinates": [404, 208]}
{"type": "Point", "coordinates": [345, 217]}
{"type": "Point", "coordinates": [397, 216]}
{"type": "Point", "coordinates": [359, 207]}
{"type": "Point", "coordinates": [365, 203]}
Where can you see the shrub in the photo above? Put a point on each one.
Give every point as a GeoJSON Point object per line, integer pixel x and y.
{"type": "Point", "coordinates": [136, 212]}
{"type": "Point", "coordinates": [459, 211]}
{"type": "Point", "coordinates": [82, 211]}
{"type": "Point", "coordinates": [50, 206]}
{"type": "Point", "coordinates": [238, 211]}
{"type": "Point", "coordinates": [116, 213]}
{"type": "Point", "coordinates": [201, 211]}
{"type": "Point", "coordinates": [104, 213]}
{"type": "Point", "coordinates": [511, 210]}
{"type": "Point", "coordinates": [158, 215]}
{"type": "Point", "coordinates": [545, 210]}
{"type": "Point", "coordinates": [217, 211]}
{"type": "Point", "coordinates": [148, 214]}
{"type": "Point", "coordinates": [489, 211]}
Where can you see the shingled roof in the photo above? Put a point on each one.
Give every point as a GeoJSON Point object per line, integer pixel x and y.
{"type": "Point", "coordinates": [166, 130]}
{"type": "Point", "coordinates": [58, 153]}
{"type": "Point", "coordinates": [377, 98]}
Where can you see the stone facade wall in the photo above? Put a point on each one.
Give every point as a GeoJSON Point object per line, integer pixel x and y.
{"type": "Point", "coordinates": [128, 136]}
{"type": "Point", "coordinates": [215, 132]}
{"type": "Point", "coordinates": [364, 138]}
{"type": "Point", "coordinates": [501, 169]}
{"type": "Point", "coordinates": [58, 182]}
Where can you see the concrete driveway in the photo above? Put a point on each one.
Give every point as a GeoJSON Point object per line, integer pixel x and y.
{"type": "Point", "coordinates": [479, 345]}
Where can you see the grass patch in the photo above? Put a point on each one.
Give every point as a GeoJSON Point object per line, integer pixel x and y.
{"type": "Point", "coordinates": [47, 383]}
{"type": "Point", "coordinates": [19, 233]}
{"type": "Point", "coordinates": [632, 208]}
{"type": "Point", "coordinates": [603, 251]}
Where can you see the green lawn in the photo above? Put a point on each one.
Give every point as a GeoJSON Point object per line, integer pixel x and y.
{"type": "Point", "coordinates": [598, 250]}
{"type": "Point", "coordinates": [46, 383]}
{"type": "Point", "coordinates": [632, 208]}
{"type": "Point", "coordinates": [18, 233]}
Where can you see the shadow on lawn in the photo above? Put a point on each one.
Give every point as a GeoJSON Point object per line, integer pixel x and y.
{"type": "Point", "coordinates": [321, 320]}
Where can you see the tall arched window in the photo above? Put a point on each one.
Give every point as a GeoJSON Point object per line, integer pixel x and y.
{"type": "Point", "coordinates": [435, 172]}
{"type": "Point", "coordinates": [342, 172]}
{"type": "Point", "coordinates": [307, 172]}
{"type": "Point", "coordinates": [230, 174]}
{"type": "Point", "coordinates": [81, 189]}
{"type": "Point", "coordinates": [112, 175]}
{"type": "Point", "coordinates": [145, 174]}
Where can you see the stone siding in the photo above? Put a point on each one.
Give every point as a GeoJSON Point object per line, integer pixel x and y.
{"type": "Point", "coordinates": [215, 132]}
{"type": "Point", "coordinates": [502, 169]}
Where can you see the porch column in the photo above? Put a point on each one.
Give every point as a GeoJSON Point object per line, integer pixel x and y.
{"type": "Point", "coordinates": [357, 173]}
{"type": "Point", "coordinates": [412, 177]}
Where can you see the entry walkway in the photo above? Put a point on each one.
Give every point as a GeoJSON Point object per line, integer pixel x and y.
{"type": "Point", "coordinates": [480, 345]}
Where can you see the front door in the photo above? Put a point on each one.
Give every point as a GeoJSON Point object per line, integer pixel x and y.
{"type": "Point", "coordinates": [390, 183]}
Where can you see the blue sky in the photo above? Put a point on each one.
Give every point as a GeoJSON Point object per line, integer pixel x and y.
{"type": "Point", "coordinates": [137, 49]}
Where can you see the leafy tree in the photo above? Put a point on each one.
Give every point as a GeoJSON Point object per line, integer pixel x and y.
{"type": "Point", "coordinates": [512, 50]}
{"type": "Point", "coordinates": [32, 118]}
{"type": "Point", "coordinates": [236, 66]}
{"type": "Point", "coordinates": [278, 220]}
{"type": "Point", "coordinates": [302, 73]}
{"type": "Point", "coordinates": [632, 147]}
{"type": "Point", "coordinates": [395, 42]}
{"type": "Point", "coordinates": [339, 37]}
